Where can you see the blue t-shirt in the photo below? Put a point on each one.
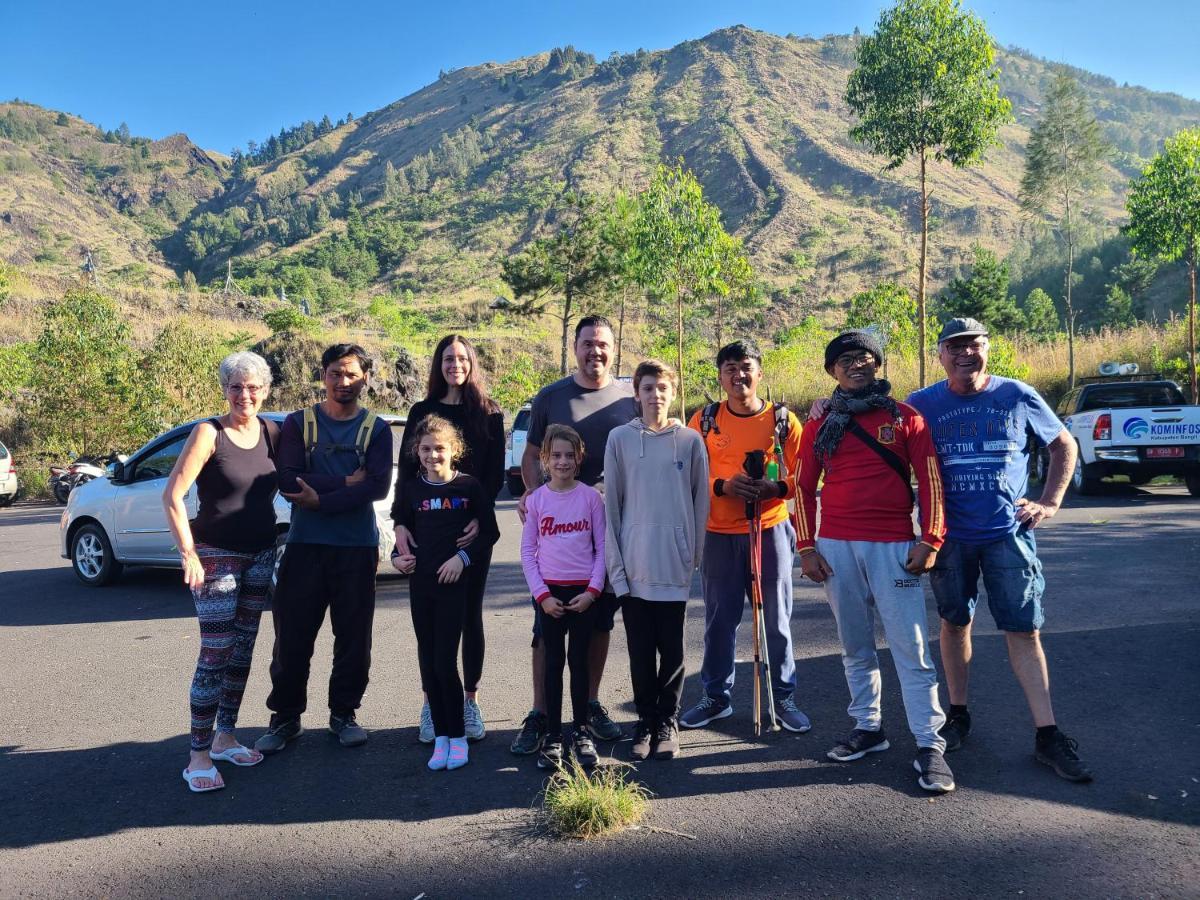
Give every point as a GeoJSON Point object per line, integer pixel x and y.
{"type": "Point", "coordinates": [981, 441]}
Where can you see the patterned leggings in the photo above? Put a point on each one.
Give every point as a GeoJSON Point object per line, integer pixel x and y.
{"type": "Point", "coordinates": [229, 605]}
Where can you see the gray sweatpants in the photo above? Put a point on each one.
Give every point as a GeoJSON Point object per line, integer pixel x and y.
{"type": "Point", "coordinates": [870, 574]}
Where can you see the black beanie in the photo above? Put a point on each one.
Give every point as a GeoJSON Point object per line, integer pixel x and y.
{"type": "Point", "coordinates": [848, 342]}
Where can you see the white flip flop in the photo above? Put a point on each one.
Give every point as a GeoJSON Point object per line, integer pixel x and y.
{"type": "Point", "coordinates": [190, 778]}
{"type": "Point", "coordinates": [229, 753]}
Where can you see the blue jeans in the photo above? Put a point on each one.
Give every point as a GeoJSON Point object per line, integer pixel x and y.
{"type": "Point", "coordinates": [1011, 573]}
{"type": "Point", "coordinates": [725, 575]}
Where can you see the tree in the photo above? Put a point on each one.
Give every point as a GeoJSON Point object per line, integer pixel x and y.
{"type": "Point", "coordinates": [391, 182]}
{"type": "Point", "coordinates": [682, 251]}
{"type": "Point", "coordinates": [1117, 311]}
{"type": "Point", "coordinates": [1041, 318]}
{"type": "Point", "coordinates": [925, 85]}
{"type": "Point", "coordinates": [984, 295]}
{"type": "Point", "coordinates": [618, 236]}
{"type": "Point", "coordinates": [181, 371]}
{"type": "Point", "coordinates": [1062, 169]}
{"type": "Point", "coordinates": [1164, 218]}
{"type": "Point", "coordinates": [564, 266]}
{"type": "Point", "coordinates": [890, 310]}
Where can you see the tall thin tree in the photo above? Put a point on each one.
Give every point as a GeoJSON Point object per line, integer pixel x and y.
{"type": "Point", "coordinates": [925, 85]}
{"type": "Point", "coordinates": [1062, 171]}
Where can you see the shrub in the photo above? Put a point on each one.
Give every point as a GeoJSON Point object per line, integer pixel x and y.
{"type": "Point", "coordinates": [288, 318]}
{"type": "Point", "coordinates": [582, 805]}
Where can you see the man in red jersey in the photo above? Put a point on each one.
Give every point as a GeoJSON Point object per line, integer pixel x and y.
{"type": "Point", "coordinates": [866, 445]}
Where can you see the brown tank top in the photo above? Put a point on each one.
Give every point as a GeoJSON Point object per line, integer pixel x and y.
{"type": "Point", "coordinates": [236, 489]}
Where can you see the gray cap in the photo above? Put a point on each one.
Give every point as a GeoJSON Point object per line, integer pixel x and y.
{"type": "Point", "coordinates": [962, 328]}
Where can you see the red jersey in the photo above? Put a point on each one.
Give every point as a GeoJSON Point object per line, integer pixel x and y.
{"type": "Point", "coordinates": [863, 498]}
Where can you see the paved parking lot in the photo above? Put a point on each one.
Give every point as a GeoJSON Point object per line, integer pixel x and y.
{"type": "Point", "coordinates": [93, 717]}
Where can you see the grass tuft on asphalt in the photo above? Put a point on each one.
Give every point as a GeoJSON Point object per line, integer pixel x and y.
{"type": "Point", "coordinates": [579, 804]}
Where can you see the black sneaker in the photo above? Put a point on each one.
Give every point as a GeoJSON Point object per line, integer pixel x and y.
{"type": "Point", "coordinates": [934, 775]}
{"type": "Point", "coordinates": [551, 756]}
{"type": "Point", "coordinates": [666, 740]}
{"type": "Point", "coordinates": [601, 724]}
{"type": "Point", "coordinates": [641, 740]}
{"type": "Point", "coordinates": [1058, 752]}
{"type": "Point", "coordinates": [582, 747]}
{"type": "Point", "coordinates": [858, 744]}
{"type": "Point", "coordinates": [349, 732]}
{"type": "Point", "coordinates": [533, 732]}
{"type": "Point", "coordinates": [707, 710]}
{"type": "Point", "coordinates": [277, 736]}
{"type": "Point", "coordinates": [955, 731]}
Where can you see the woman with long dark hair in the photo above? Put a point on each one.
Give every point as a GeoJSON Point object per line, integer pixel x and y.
{"type": "Point", "coordinates": [456, 392]}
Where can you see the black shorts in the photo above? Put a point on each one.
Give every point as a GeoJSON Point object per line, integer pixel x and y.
{"type": "Point", "coordinates": [606, 607]}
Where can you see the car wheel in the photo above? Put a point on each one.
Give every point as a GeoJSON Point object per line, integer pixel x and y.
{"type": "Point", "coordinates": [92, 557]}
{"type": "Point", "coordinates": [1082, 482]}
{"type": "Point", "coordinates": [1041, 466]}
{"type": "Point", "coordinates": [7, 500]}
{"type": "Point", "coordinates": [1193, 484]}
{"type": "Point", "coordinates": [516, 487]}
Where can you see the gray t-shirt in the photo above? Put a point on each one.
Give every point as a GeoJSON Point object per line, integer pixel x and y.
{"type": "Point", "coordinates": [591, 412]}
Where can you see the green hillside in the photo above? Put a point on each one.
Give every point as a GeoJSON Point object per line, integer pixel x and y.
{"type": "Point", "coordinates": [439, 186]}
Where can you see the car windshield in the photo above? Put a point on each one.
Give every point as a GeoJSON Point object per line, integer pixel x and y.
{"type": "Point", "coordinates": [3, 452]}
{"type": "Point", "coordinates": [521, 422]}
{"type": "Point", "coordinates": [1129, 396]}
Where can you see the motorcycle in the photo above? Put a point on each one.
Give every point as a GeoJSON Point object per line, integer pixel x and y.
{"type": "Point", "coordinates": [60, 483]}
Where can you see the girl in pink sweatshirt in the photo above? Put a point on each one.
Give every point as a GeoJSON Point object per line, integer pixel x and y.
{"type": "Point", "coordinates": [562, 553]}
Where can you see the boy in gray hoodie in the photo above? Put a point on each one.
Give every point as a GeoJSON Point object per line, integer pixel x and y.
{"type": "Point", "coordinates": [656, 501]}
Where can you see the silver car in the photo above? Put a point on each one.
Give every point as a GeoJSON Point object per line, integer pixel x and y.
{"type": "Point", "coordinates": [8, 477]}
{"type": "Point", "coordinates": [119, 520]}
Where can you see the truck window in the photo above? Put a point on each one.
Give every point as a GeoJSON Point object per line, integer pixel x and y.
{"type": "Point", "coordinates": [1129, 396]}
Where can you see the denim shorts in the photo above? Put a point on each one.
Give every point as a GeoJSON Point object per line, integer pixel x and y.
{"type": "Point", "coordinates": [606, 607]}
{"type": "Point", "coordinates": [1012, 577]}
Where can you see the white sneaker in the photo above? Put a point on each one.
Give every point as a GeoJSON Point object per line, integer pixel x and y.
{"type": "Point", "coordinates": [473, 720]}
{"type": "Point", "coordinates": [425, 733]}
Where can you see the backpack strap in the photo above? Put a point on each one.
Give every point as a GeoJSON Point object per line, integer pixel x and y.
{"type": "Point", "coordinates": [781, 433]}
{"type": "Point", "coordinates": [708, 420]}
{"type": "Point", "coordinates": [310, 435]}
{"type": "Point", "coordinates": [893, 461]}
{"type": "Point", "coordinates": [363, 439]}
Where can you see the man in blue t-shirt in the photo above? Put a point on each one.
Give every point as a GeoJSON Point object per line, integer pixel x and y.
{"type": "Point", "coordinates": [332, 549]}
{"type": "Point", "coordinates": [981, 424]}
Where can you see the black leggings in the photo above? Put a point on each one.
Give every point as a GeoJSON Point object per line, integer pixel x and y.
{"type": "Point", "coordinates": [654, 633]}
{"type": "Point", "coordinates": [472, 639]}
{"type": "Point", "coordinates": [580, 626]}
{"type": "Point", "coordinates": [437, 614]}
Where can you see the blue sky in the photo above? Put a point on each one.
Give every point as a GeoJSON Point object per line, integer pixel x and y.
{"type": "Point", "coordinates": [230, 72]}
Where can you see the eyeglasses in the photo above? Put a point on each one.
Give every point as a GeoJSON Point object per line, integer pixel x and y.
{"type": "Point", "coordinates": [961, 349]}
{"type": "Point", "coordinates": [252, 389]}
{"type": "Point", "coordinates": [847, 361]}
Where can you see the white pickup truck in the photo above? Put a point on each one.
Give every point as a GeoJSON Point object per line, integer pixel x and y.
{"type": "Point", "coordinates": [1127, 426]}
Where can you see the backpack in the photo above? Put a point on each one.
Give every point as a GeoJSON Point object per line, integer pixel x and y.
{"type": "Point", "coordinates": [708, 422]}
{"type": "Point", "coordinates": [362, 439]}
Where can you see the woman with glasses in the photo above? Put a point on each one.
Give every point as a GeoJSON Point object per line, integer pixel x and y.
{"type": "Point", "coordinates": [227, 553]}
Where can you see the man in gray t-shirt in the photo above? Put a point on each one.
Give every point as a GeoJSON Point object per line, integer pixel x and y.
{"type": "Point", "coordinates": [593, 403]}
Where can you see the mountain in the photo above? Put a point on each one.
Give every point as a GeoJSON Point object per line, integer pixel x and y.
{"type": "Point", "coordinates": [430, 192]}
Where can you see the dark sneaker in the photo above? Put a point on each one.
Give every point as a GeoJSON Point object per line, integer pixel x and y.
{"type": "Point", "coordinates": [551, 756]}
{"type": "Point", "coordinates": [666, 740]}
{"type": "Point", "coordinates": [955, 731]}
{"type": "Point", "coordinates": [709, 709]}
{"type": "Point", "coordinates": [601, 724]}
{"type": "Point", "coordinates": [790, 717]}
{"type": "Point", "coordinates": [349, 732]}
{"type": "Point", "coordinates": [858, 744]}
{"type": "Point", "coordinates": [934, 775]}
{"type": "Point", "coordinates": [583, 749]}
{"type": "Point", "coordinates": [533, 732]}
{"type": "Point", "coordinates": [277, 736]}
{"type": "Point", "coordinates": [1059, 753]}
{"type": "Point", "coordinates": [641, 740]}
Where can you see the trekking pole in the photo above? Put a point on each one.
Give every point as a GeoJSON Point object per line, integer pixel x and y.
{"type": "Point", "coordinates": [761, 618]}
{"type": "Point", "coordinates": [756, 614]}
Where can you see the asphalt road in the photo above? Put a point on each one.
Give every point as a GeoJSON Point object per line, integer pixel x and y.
{"type": "Point", "coordinates": [93, 722]}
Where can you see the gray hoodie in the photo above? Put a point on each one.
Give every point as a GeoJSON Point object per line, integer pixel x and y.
{"type": "Point", "coordinates": [656, 501]}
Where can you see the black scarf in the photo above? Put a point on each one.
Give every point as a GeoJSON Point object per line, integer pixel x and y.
{"type": "Point", "coordinates": [845, 404]}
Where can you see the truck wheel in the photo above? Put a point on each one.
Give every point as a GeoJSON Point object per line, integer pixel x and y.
{"type": "Point", "coordinates": [516, 487]}
{"type": "Point", "coordinates": [1193, 484]}
{"type": "Point", "coordinates": [1083, 482]}
{"type": "Point", "coordinates": [1041, 465]}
